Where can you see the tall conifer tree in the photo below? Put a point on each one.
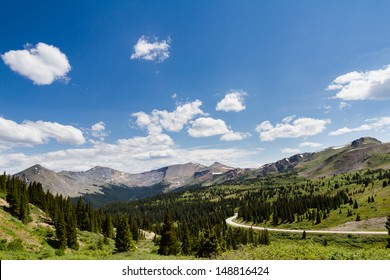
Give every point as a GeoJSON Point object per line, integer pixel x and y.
{"type": "Point", "coordinates": [169, 244]}
{"type": "Point", "coordinates": [123, 239]}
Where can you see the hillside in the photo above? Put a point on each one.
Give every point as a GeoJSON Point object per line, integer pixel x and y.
{"type": "Point", "coordinates": [20, 239]}
{"type": "Point", "coordinates": [102, 185]}
{"type": "Point", "coordinates": [103, 181]}
{"type": "Point", "coordinates": [283, 201]}
{"type": "Point", "coordinates": [363, 153]}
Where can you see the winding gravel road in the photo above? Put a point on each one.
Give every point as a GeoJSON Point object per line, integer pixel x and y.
{"type": "Point", "coordinates": [230, 222]}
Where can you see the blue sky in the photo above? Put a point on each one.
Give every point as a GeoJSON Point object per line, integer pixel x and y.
{"type": "Point", "coordinates": [137, 85]}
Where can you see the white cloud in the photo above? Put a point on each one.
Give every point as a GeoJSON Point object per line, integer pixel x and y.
{"type": "Point", "coordinates": [290, 151]}
{"type": "Point", "coordinates": [372, 124]}
{"type": "Point", "coordinates": [288, 119]}
{"type": "Point", "coordinates": [174, 121]}
{"type": "Point", "coordinates": [369, 85]}
{"type": "Point", "coordinates": [98, 130]}
{"type": "Point", "coordinates": [31, 133]}
{"type": "Point", "coordinates": [265, 125]}
{"type": "Point", "coordinates": [345, 130]}
{"type": "Point", "coordinates": [298, 128]}
{"type": "Point", "coordinates": [233, 101]}
{"type": "Point", "coordinates": [43, 64]}
{"type": "Point", "coordinates": [132, 155]}
{"type": "Point", "coordinates": [205, 127]}
{"type": "Point", "coordinates": [150, 140]}
{"type": "Point", "coordinates": [234, 136]}
{"type": "Point", "coordinates": [344, 105]}
{"type": "Point", "coordinates": [151, 50]}
{"type": "Point", "coordinates": [310, 145]}
{"type": "Point", "coordinates": [100, 126]}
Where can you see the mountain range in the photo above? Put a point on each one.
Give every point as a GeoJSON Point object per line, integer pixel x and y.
{"type": "Point", "coordinates": [103, 184]}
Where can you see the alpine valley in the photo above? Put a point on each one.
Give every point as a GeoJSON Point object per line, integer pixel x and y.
{"type": "Point", "coordinates": [102, 185]}
{"type": "Point", "coordinates": [330, 204]}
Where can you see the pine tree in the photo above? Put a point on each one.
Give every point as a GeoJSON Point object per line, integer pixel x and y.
{"type": "Point", "coordinates": [134, 230]}
{"type": "Point", "coordinates": [275, 218]}
{"type": "Point", "coordinates": [71, 227]}
{"type": "Point", "coordinates": [83, 222]}
{"type": "Point", "coordinates": [24, 211]}
{"type": "Point", "coordinates": [169, 244]}
{"type": "Point", "coordinates": [318, 217]}
{"type": "Point", "coordinates": [123, 239]}
{"type": "Point", "coordinates": [264, 237]}
{"type": "Point", "coordinates": [60, 227]}
{"type": "Point", "coordinates": [3, 182]}
{"type": "Point", "coordinates": [186, 242]}
{"type": "Point", "coordinates": [208, 245]}
{"type": "Point", "coordinates": [108, 227]}
{"type": "Point", "coordinates": [13, 200]}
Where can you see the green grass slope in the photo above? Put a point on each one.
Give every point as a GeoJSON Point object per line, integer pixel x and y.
{"type": "Point", "coordinates": [364, 153]}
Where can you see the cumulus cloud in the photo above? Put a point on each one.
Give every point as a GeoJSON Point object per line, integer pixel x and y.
{"type": "Point", "coordinates": [264, 126]}
{"type": "Point", "coordinates": [371, 124]}
{"type": "Point", "coordinates": [298, 128]}
{"type": "Point", "coordinates": [159, 120]}
{"type": "Point", "coordinates": [43, 64]}
{"type": "Point", "coordinates": [368, 85]}
{"type": "Point", "coordinates": [98, 130]}
{"type": "Point", "coordinates": [31, 133]}
{"type": "Point", "coordinates": [151, 50]}
{"type": "Point", "coordinates": [233, 101]}
{"type": "Point", "coordinates": [206, 127]}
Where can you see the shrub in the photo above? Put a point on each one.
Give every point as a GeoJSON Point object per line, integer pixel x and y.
{"type": "Point", "coordinates": [16, 245]}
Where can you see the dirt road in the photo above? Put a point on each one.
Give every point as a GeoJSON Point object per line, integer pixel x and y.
{"type": "Point", "coordinates": [230, 222]}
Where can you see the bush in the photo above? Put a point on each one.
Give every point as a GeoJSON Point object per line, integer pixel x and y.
{"type": "Point", "coordinates": [358, 219]}
{"type": "Point", "coordinates": [3, 244]}
{"type": "Point", "coordinates": [60, 252]}
{"type": "Point", "coordinates": [16, 245]}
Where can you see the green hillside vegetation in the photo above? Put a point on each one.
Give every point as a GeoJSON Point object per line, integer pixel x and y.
{"type": "Point", "coordinates": [196, 227]}
{"type": "Point", "coordinates": [364, 193]}
{"type": "Point", "coordinates": [362, 154]}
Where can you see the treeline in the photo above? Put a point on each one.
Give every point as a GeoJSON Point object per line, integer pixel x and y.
{"type": "Point", "coordinates": [197, 213]}
{"type": "Point", "coordinates": [208, 242]}
{"type": "Point", "coordinates": [59, 209]}
{"type": "Point", "coordinates": [258, 209]}
{"type": "Point", "coordinates": [194, 227]}
{"type": "Point", "coordinates": [66, 217]}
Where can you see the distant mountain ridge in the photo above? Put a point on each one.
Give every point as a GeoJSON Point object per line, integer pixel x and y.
{"type": "Point", "coordinates": [94, 180]}
{"type": "Point", "coordinates": [362, 153]}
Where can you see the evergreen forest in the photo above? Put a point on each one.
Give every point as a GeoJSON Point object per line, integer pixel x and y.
{"type": "Point", "coordinates": [191, 224]}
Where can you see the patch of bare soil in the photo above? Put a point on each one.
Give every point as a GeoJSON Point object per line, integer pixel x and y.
{"type": "Point", "coordinates": [365, 225]}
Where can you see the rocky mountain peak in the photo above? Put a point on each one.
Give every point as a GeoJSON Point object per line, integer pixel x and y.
{"type": "Point", "coordinates": [364, 141]}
